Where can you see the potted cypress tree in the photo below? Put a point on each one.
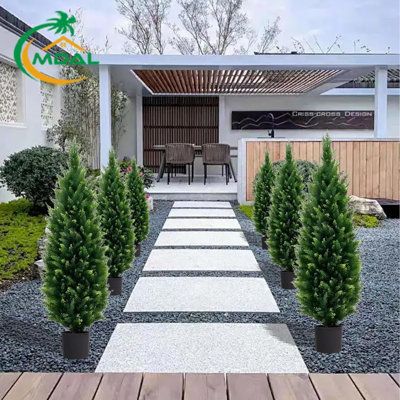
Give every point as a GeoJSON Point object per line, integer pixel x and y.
{"type": "Point", "coordinates": [262, 190]}
{"type": "Point", "coordinates": [328, 272]}
{"type": "Point", "coordinates": [117, 224]}
{"type": "Point", "coordinates": [138, 205]}
{"type": "Point", "coordinates": [75, 279]}
{"type": "Point", "coordinates": [284, 218]}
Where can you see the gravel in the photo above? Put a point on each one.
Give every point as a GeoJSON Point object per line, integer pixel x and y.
{"type": "Point", "coordinates": [29, 342]}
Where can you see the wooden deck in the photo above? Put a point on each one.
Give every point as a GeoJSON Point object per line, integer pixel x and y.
{"type": "Point", "coordinates": [91, 386]}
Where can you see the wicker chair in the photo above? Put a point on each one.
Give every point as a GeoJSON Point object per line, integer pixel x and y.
{"type": "Point", "coordinates": [180, 154]}
{"type": "Point", "coordinates": [217, 154]}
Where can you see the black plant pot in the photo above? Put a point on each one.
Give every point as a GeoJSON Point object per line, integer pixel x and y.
{"type": "Point", "coordinates": [138, 250]}
{"type": "Point", "coordinates": [115, 285]}
{"type": "Point", "coordinates": [75, 345]}
{"type": "Point", "coordinates": [328, 339]}
{"type": "Point", "coordinates": [287, 278]}
{"type": "Point", "coordinates": [264, 244]}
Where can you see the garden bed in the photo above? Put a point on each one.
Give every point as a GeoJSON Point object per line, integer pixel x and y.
{"type": "Point", "coordinates": [30, 342]}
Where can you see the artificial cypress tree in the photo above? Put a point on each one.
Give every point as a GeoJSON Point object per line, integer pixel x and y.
{"type": "Point", "coordinates": [138, 205]}
{"type": "Point", "coordinates": [75, 279]}
{"type": "Point", "coordinates": [116, 222]}
{"type": "Point", "coordinates": [284, 218]}
{"type": "Point", "coordinates": [328, 272]}
{"type": "Point", "coordinates": [262, 201]}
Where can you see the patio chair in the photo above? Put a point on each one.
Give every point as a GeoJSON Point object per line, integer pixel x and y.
{"type": "Point", "coordinates": [217, 154]}
{"type": "Point", "coordinates": [180, 154]}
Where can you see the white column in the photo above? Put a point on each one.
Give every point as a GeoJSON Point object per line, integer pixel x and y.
{"type": "Point", "coordinates": [139, 129]}
{"type": "Point", "coordinates": [380, 120]}
{"type": "Point", "coordinates": [105, 114]}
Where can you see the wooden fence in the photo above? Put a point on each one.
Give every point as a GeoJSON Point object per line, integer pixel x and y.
{"type": "Point", "coordinates": [371, 166]}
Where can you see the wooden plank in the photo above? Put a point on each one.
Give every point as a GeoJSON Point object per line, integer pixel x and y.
{"type": "Point", "coordinates": [119, 387]}
{"type": "Point", "coordinates": [292, 387]}
{"type": "Point", "coordinates": [80, 386]}
{"type": "Point", "coordinates": [363, 169]}
{"type": "Point", "coordinates": [396, 171]}
{"type": "Point", "coordinates": [7, 380]}
{"type": "Point", "coordinates": [205, 387]}
{"type": "Point", "coordinates": [335, 386]}
{"type": "Point", "coordinates": [389, 171]}
{"type": "Point", "coordinates": [382, 169]}
{"type": "Point", "coordinates": [376, 386]}
{"type": "Point", "coordinates": [375, 163]}
{"type": "Point", "coordinates": [396, 378]}
{"type": "Point", "coordinates": [33, 386]}
{"type": "Point", "coordinates": [369, 180]}
{"type": "Point", "coordinates": [250, 170]}
{"type": "Point", "coordinates": [248, 387]}
{"type": "Point", "coordinates": [162, 387]}
{"type": "Point", "coordinates": [356, 168]}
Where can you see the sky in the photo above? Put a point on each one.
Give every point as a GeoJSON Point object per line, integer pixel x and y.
{"type": "Point", "coordinates": [375, 23]}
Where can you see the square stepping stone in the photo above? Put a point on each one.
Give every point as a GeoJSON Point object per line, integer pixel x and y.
{"type": "Point", "coordinates": [214, 238]}
{"type": "Point", "coordinates": [201, 294]}
{"type": "Point", "coordinates": [202, 204]}
{"type": "Point", "coordinates": [202, 223]}
{"type": "Point", "coordinates": [201, 348]}
{"type": "Point", "coordinates": [201, 212]}
{"type": "Point", "coordinates": [201, 260]}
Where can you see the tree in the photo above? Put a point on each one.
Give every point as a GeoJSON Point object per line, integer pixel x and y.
{"type": "Point", "coordinates": [138, 203]}
{"type": "Point", "coordinates": [262, 189]}
{"type": "Point", "coordinates": [116, 221]}
{"type": "Point", "coordinates": [328, 272]}
{"type": "Point", "coordinates": [75, 280]}
{"type": "Point", "coordinates": [146, 25]}
{"type": "Point", "coordinates": [284, 216]}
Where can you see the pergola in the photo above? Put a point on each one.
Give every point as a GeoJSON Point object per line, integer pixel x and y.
{"type": "Point", "coordinates": [270, 74]}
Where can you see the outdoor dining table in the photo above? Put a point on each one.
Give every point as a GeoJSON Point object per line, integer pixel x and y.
{"type": "Point", "coordinates": [198, 149]}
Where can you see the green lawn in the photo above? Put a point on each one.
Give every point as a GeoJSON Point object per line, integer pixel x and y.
{"type": "Point", "coordinates": [247, 210]}
{"type": "Point", "coordinates": [19, 234]}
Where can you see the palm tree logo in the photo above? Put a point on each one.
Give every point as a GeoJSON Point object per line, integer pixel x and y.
{"type": "Point", "coordinates": [61, 24]}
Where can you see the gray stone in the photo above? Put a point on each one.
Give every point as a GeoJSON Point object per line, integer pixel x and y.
{"type": "Point", "coordinates": [39, 268]}
{"type": "Point", "coordinates": [360, 205]}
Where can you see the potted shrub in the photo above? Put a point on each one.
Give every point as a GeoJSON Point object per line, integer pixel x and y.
{"type": "Point", "coordinates": [75, 278]}
{"type": "Point", "coordinates": [328, 272]}
{"type": "Point", "coordinates": [116, 223]}
{"type": "Point", "coordinates": [262, 198]}
{"type": "Point", "coordinates": [284, 218]}
{"type": "Point", "coordinates": [138, 205]}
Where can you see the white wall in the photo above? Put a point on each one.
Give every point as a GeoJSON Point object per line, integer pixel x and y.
{"type": "Point", "coordinates": [28, 131]}
{"type": "Point", "coordinates": [127, 140]}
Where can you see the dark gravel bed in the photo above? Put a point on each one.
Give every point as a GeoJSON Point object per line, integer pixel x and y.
{"type": "Point", "coordinates": [29, 342]}
{"type": "Point", "coordinates": [371, 339]}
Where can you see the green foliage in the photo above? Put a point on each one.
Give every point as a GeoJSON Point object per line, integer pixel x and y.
{"type": "Point", "coordinates": [116, 220]}
{"type": "Point", "coordinates": [328, 273]}
{"type": "Point", "coordinates": [366, 221]}
{"type": "Point", "coordinates": [75, 282]}
{"type": "Point", "coordinates": [19, 235]}
{"type": "Point", "coordinates": [32, 174]}
{"type": "Point", "coordinates": [262, 195]}
{"type": "Point", "coordinates": [247, 210]}
{"type": "Point", "coordinates": [284, 217]}
{"type": "Point", "coordinates": [138, 203]}
{"type": "Point", "coordinates": [146, 174]}
{"type": "Point", "coordinates": [306, 170]}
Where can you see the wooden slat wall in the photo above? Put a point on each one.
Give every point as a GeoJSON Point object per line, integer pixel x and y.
{"type": "Point", "coordinates": [371, 166]}
{"type": "Point", "coordinates": [177, 120]}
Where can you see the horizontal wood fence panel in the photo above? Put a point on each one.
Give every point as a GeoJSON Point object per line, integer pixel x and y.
{"type": "Point", "coordinates": [371, 166]}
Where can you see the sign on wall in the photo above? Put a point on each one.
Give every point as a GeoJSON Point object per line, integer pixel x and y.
{"type": "Point", "coordinates": [258, 120]}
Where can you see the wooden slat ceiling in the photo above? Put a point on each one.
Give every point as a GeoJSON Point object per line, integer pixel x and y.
{"type": "Point", "coordinates": [234, 81]}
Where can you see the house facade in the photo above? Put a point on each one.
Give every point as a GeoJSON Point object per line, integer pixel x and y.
{"type": "Point", "coordinates": [200, 99]}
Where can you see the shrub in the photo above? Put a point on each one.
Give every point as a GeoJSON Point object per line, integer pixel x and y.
{"type": "Point", "coordinates": [284, 217]}
{"type": "Point", "coordinates": [305, 168]}
{"type": "Point", "coordinates": [32, 174]}
{"type": "Point", "coordinates": [328, 273]}
{"type": "Point", "coordinates": [138, 203]}
{"type": "Point", "coordinates": [247, 210]}
{"type": "Point", "coordinates": [116, 221]}
{"type": "Point", "coordinates": [262, 195]}
{"type": "Point", "coordinates": [19, 235]}
{"type": "Point", "coordinates": [75, 281]}
{"type": "Point", "coordinates": [145, 173]}
{"type": "Point", "coordinates": [366, 221]}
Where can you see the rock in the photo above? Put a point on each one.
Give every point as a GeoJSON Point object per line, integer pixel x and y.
{"type": "Point", "coordinates": [39, 268]}
{"type": "Point", "coordinates": [360, 205]}
{"type": "Point", "coordinates": [149, 201]}
{"type": "Point", "coordinates": [41, 246]}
